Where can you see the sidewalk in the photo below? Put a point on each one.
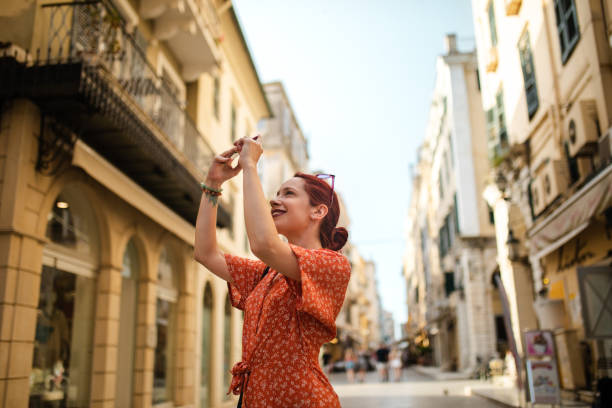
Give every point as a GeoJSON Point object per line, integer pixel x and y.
{"type": "Point", "coordinates": [437, 374]}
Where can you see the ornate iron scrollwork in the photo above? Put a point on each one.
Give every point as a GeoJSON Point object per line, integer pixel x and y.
{"type": "Point", "coordinates": [55, 145]}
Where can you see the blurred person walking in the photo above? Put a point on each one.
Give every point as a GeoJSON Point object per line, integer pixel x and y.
{"type": "Point", "coordinates": [382, 362]}
{"type": "Point", "coordinates": [292, 294]}
{"type": "Point", "coordinates": [395, 364]}
{"type": "Point", "coordinates": [349, 364]}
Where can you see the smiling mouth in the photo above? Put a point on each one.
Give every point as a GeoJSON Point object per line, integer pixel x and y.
{"type": "Point", "coordinates": [277, 213]}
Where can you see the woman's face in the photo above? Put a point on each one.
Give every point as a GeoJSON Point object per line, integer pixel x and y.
{"type": "Point", "coordinates": [291, 208]}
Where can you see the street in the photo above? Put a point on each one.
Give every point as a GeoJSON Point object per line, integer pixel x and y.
{"type": "Point", "coordinates": [415, 390]}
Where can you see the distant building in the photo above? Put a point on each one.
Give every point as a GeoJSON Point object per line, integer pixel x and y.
{"type": "Point", "coordinates": [285, 147]}
{"type": "Point", "coordinates": [450, 254]}
{"type": "Point", "coordinates": [388, 327]}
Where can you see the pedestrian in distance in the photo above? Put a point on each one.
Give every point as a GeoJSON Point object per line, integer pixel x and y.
{"type": "Point", "coordinates": [395, 363]}
{"type": "Point", "coordinates": [362, 364]}
{"type": "Point", "coordinates": [292, 293]}
{"type": "Point", "coordinates": [382, 362]}
{"type": "Point", "coordinates": [350, 361]}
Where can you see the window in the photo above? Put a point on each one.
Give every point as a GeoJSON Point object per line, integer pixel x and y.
{"type": "Point", "coordinates": [456, 213]}
{"type": "Point", "coordinates": [449, 283]}
{"type": "Point", "coordinates": [492, 26]}
{"type": "Point", "coordinates": [529, 79]}
{"type": "Point", "coordinates": [567, 25]}
{"type": "Point", "coordinates": [216, 91]}
{"type": "Point", "coordinates": [497, 136]}
{"type": "Point", "coordinates": [165, 321]}
{"type": "Point", "coordinates": [63, 346]}
{"type": "Point", "coordinates": [491, 215]}
{"type": "Point", "coordinates": [233, 124]}
{"type": "Point", "coordinates": [227, 345]}
{"type": "Point", "coordinates": [207, 304]}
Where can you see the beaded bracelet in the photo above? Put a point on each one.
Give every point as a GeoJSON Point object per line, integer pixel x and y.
{"type": "Point", "coordinates": [212, 194]}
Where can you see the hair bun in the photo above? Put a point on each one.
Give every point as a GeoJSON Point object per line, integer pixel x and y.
{"type": "Point", "coordinates": [339, 236]}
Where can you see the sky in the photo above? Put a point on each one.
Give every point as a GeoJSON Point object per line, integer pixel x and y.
{"type": "Point", "coordinates": [360, 75]}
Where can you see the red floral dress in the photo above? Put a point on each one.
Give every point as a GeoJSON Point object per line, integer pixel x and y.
{"type": "Point", "coordinates": [285, 324]}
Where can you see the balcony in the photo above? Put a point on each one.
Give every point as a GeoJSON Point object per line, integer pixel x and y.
{"type": "Point", "coordinates": [513, 7]}
{"type": "Point", "coordinates": [492, 60]}
{"type": "Point", "coordinates": [190, 30]}
{"type": "Point", "coordinates": [88, 75]}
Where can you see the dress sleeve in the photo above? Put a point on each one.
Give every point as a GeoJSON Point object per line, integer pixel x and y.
{"type": "Point", "coordinates": [324, 277]}
{"type": "Point", "coordinates": [245, 273]}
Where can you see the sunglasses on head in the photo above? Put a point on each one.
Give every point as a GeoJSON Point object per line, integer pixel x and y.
{"type": "Point", "coordinates": [333, 178]}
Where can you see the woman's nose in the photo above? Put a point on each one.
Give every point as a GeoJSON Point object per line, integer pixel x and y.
{"type": "Point", "coordinates": [274, 202]}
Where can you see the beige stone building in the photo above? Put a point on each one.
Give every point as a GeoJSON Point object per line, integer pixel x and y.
{"type": "Point", "coordinates": [285, 147]}
{"type": "Point", "coordinates": [450, 254]}
{"type": "Point", "coordinates": [110, 114]}
{"type": "Point", "coordinates": [546, 77]}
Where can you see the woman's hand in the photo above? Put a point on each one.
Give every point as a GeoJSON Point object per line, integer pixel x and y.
{"type": "Point", "coordinates": [250, 150]}
{"type": "Point", "coordinates": [221, 168]}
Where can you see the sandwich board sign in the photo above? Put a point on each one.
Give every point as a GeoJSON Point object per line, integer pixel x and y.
{"type": "Point", "coordinates": [543, 382]}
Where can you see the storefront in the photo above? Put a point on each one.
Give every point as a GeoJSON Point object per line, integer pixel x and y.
{"type": "Point", "coordinates": [574, 246]}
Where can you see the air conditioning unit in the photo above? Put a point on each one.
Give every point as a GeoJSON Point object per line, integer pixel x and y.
{"type": "Point", "coordinates": [581, 128]}
{"type": "Point", "coordinates": [552, 180]}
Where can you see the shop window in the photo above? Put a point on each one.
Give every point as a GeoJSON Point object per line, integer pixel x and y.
{"type": "Point", "coordinates": [207, 305]}
{"type": "Point", "coordinates": [165, 321]}
{"type": "Point", "coordinates": [61, 361]}
{"type": "Point", "coordinates": [127, 325]}
{"type": "Point", "coordinates": [567, 26]}
{"type": "Point", "coordinates": [529, 79]}
{"type": "Point", "coordinates": [61, 364]}
{"type": "Point", "coordinates": [227, 344]}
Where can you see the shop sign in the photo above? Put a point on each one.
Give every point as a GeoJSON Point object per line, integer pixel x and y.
{"type": "Point", "coordinates": [543, 382]}
{"type": "Point", "coordinates": [539, 343]}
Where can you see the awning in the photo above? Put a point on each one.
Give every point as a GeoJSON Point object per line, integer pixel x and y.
{"type": "Point", "coordinates": [573, 216]}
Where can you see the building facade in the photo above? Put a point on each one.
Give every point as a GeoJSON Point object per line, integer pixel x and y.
{"type": "Point", "coordinates": [285, 147]}
{"type": "Point", "coordinates": [450, 254]}
{"type": "Point", "coordinates": [546, 76]}
{"type": "Point", "coordinates": [111, 113]}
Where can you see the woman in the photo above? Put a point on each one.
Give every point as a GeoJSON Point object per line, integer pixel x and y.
{"type": "Point", "coordinates": [396, 364]}
{"type": "Point", "coordinates": [349, 364]}
{"type": "Point", "coordinates": [292, 294]}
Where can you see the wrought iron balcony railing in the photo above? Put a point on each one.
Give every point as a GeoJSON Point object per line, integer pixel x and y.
{"type": "Point", "coordinates": [93, 33]}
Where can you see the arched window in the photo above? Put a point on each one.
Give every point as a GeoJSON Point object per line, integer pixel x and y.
{"type": "Point", "coordinates": [207, 306]}
{"type": "Point", "coordinates": [165, 320]}
{"type": "Point", "coordinates": [227, 344]}
{"type": "Point", "coordinates": [61, 362]}
{"type": "Point", "coordinates": [127, 325]}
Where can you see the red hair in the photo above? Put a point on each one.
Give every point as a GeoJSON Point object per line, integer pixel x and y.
{"type": "Point", "coordinates": [319, 192]}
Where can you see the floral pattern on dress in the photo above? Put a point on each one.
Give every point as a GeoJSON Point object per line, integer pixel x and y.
{"type": "Point", "coordinates": [285, 324]}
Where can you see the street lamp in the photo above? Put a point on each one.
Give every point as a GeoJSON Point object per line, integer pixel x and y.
{"type": "Point", "coordinates": [515, 252]}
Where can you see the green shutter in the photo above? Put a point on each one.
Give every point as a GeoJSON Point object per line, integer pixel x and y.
{"type": "Point", "coordinates": [529, 79]}
{"type": "Point", "coordinates": [492, 26]}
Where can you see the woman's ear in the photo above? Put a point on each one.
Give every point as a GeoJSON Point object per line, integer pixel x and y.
{"type": "Point", "coordinates": [319, 212]}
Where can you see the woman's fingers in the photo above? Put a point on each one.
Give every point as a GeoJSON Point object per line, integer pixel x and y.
{"type": "Point", "coordinates": [230, 152]}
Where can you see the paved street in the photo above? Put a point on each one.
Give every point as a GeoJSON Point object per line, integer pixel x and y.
{"type": "Point", "coordinates": [414, 390]}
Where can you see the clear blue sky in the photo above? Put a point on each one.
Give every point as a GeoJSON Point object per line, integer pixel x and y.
{"type": "Point", "coordinates": [360, 75]}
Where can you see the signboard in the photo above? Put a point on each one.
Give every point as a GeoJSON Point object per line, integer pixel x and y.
{"type": "Point", "coordinates": [539, 343]}
{"type": "Point", "coordinates": [543, 382]}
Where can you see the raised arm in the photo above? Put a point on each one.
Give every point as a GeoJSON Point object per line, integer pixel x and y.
{"type": "Point", "coordinates": [206, 250]}
{"type": "Point", "coordinates": [261, 231]}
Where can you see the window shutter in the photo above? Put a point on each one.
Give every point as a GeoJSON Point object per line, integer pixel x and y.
{"type": "Point", "coordinates": [531, 90]}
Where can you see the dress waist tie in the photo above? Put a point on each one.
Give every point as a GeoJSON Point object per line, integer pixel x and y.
{"type": "Point", "coordinates": [240, 373]}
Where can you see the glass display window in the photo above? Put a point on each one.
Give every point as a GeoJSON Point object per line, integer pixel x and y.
{"type": "Point", "coordinates": [61, 365]}
{"type": "Point", "coordinates": [165, 323]}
